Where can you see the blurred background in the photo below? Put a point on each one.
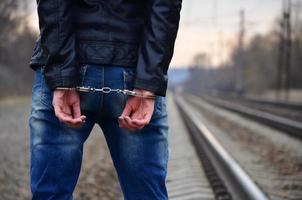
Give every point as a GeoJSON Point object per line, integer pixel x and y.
{"type": "Point", "coordinates": [234, 46]}
{"type": "Point", "coordinates": [246, 48]}
{"type": "Point", "coordinates": [243, 47]}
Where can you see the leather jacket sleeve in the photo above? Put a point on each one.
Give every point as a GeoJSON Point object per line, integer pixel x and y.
{"type": "Point", "coordinates": [58, 41]}
{"type": "Point", "coordinates": [156, 49]}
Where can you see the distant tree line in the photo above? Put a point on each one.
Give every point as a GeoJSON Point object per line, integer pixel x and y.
{"type": "Point", "coordinates": [258, 64]}
{"type": "Point", "coordinates": [17, 40]}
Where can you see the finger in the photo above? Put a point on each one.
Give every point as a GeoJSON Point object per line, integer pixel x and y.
{"type": "Point", "coordinates": [83, 118]}
{"type": "Point", "coordinates": [80, 123]}
{"type": "Point", "coordinates": [66, 118]}
{"type": "Point", "coordinates": [123, 123]}
{"type": "Point", "coordinates": [76, 110]}
{"type": "Point", "coordinates": [74, 125]}
{"type": "Point", "coordinates": [130, 123]}
{"type": "Point", "coordinates": [67, 110]}
{"type": "Point", "coordinates": [140, 122]}
{"type": "Point", "coordinates": [137, 115]}
{"type": "Point", "coordinates": [143, 121]}
{"type": "Point", "coordinates": [62, 114]}
{"type": "Point", "coordinates": [127, 110]}
{"type": "Point", "coordinates": [148, 117]}
{"type": "Point", "coordinates": [58, 112]}
{"type": "Point", "coordinates": [70, 120]}
{"type": "Point", "coordinates": [139, 126]}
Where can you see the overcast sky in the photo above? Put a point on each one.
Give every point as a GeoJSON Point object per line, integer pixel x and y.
{"type": "Point", "coordinates": [210, 26]}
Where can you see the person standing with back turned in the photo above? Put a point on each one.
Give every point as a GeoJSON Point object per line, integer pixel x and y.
{"type": "Point", "coordinates": [123, 47]}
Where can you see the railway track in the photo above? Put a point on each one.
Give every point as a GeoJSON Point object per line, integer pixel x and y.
{"type": "Point", "coordinates": [289, 126]}
{"type": "Point", "coordinates": [289, 110]}
{"type": "Point", "coordinates": [272, 159]}
{"type": "Point", "coordinates": [282, 104]}
{"type": "Point", "coordinates": [227, 178]}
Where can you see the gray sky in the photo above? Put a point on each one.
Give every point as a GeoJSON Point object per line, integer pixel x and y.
{"type": "Point", "coordinates": [211, 26]}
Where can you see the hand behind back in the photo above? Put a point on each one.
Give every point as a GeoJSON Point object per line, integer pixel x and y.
{"type": "Point", "coordinates": [67, 108]}
{"type": "Point", "coordinates": [136, 114]}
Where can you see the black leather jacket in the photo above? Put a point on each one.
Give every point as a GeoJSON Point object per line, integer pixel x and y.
{"type": "Point", "coordinates": [135, 33]}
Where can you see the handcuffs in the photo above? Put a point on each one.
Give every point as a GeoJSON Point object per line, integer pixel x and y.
{"type": "Point", "coordinates": [107, 90]}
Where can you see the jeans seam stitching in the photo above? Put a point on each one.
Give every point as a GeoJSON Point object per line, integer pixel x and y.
{"type": "Point", "coordinates": [42, 90]}
{"type": "Point", "coordinates": [83, 73]}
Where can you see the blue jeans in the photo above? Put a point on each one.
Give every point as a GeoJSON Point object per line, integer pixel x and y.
{"type": "Point", "coordinates": [140, 158]}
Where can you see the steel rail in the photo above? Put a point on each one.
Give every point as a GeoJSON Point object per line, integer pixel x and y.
{"type": "Point", "coordinates": [238, 183]}
{"type": "Point", "coordinates": [291, 127]}
{"type": "Point", "coordinates": [252, 99]}
{"type": "Point", "coordinates": [281, 104]}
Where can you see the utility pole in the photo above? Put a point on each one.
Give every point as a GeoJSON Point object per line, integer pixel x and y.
{"type": "Point", "coordinates": [288, 52]}
{"type": "Point", "coordinates": [284, 57]}
{"type": "Point", "coordinates": [240, 54]}
{"type": "Point", "coordinates": [280, 65]}
{"type": "Point", "coordinates": [219, 51]}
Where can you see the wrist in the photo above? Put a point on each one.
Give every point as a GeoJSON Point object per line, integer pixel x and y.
{"type": "Point", "coordinates": [143, 91]}
{"type": "Point", "coordinates": [65, 88]}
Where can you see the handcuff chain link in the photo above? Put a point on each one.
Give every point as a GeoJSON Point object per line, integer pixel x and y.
{"type": "Point", "coordinates": [107, 90]}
